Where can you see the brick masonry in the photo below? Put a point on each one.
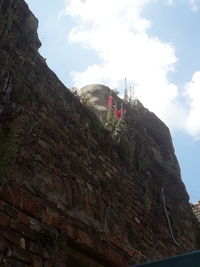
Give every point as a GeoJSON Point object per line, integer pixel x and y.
{"type": "Point", "coordinates": [67, 191]}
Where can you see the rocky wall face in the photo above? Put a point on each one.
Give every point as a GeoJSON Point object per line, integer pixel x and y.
{"type": "Point", "coordinates": [196, 210]}
{"type": "Point", "coordinates": [69, 194]}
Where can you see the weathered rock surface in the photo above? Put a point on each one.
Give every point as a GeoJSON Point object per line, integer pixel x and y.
{"type": "Point", "coordinates": [196, 210]}
{"type": "Point", "coordinates": [69, 194]}
{"type": "Point", "coordinates": [97, 96]}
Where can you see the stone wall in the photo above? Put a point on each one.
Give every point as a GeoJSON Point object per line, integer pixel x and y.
{"type": "Point", "coordinates": [69, 194]}
{"type": "Point", "coordinates": [196, 210]}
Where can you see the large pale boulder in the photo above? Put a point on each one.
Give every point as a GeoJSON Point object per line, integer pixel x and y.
{"type": "Point", "coordinates": [97, 96]}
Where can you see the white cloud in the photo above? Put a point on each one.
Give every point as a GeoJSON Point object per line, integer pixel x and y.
{"type": "Point", "coordinates": [193, 93]}
{"type": "Point", "coordinates": [118, 32]}
{"type": "Point", "coordinates": [195, 4]}
{"type": "Point", "coordinates": [169, 2]}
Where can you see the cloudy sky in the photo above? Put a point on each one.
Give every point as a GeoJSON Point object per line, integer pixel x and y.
{"type": "Point", "coordinates": [153, 43]}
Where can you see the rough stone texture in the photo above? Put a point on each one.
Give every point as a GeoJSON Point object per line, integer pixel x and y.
{"type": "Point", "coordinates": [69, 194]}
{"type": "Point", "coordinates": [196, 210]}
{"type": "Point", "coordinates": [96, 95]}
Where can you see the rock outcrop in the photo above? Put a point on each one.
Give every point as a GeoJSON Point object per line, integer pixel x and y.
{"type": "Point", "coordinates": [196, 210]}
{"type": "Point", "coordinates": [97, 96]}
{"type": "Point", "coordinates": [70, 194]}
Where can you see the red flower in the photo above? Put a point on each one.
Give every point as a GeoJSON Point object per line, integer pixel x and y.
{"type": "Point", "coordinates": [118, 113]}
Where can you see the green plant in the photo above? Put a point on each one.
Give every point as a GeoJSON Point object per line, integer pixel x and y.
{"type": "Point", "coordinates": [111, 120]}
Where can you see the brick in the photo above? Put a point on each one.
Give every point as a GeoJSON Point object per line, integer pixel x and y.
{"type": "Point", "coordinates": [32, 205]}
{"type": "Point", "coordinates": [84, 238]}
{"type": "Point", "coordinates": [23, 230]}
{"type": "Point", "coordinates": [36, 248]}
{"type": "Point", "coordinates": [16, 263]}
{"type": "Point", "coordinates": [11, 194]}
{"type": "Point", "coordinates": [2, 246]}
{"type": "Point", "coordinates": [2, 205]}
{"type": "Point", "coordinates": [114, 241]}
{"type": "Point", "coordinates": [23, 218]}
{"type": "Point", "coordinates": [11, 211]}
{"type": "Point", "coordinates": [37, 261]}
{"type": "Point", "coordinates": [48, 264]}
{"type": "Point", "coordinates": [115, 257]}
{"type": "Point", "coordinates": [50, 217]}
{"type": "Point", "coordinates": [11, 236]}
{"type": "Point", "coordinates": [21, 255]}
{"type": "Point", "coordinates": [4, 219]}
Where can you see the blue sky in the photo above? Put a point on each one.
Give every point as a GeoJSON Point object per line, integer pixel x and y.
{"type": "Point", "coordinates": [154, 43]}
